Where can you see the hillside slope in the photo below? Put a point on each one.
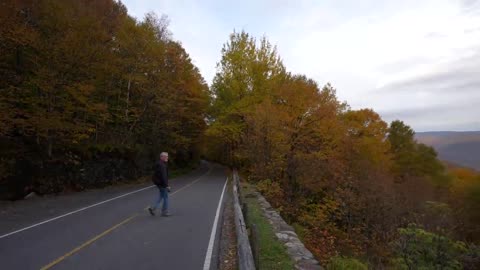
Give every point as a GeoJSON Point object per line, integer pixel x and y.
{"type": "Point", "coordinates": [462, 148]}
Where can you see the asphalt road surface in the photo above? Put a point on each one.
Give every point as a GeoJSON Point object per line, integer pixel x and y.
{"type": "Point", "coordinates": [111, 229]}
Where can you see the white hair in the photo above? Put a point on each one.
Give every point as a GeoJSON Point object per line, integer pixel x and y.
{"type": "Point", "coordinates": [164, 154]}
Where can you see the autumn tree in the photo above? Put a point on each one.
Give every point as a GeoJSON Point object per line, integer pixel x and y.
{"type": "Point", "coordinates": [244, 76]}
{"type": "Point", "coordinates": [84, 81]}
{"type": "Point", "coordinates": [345, 177]}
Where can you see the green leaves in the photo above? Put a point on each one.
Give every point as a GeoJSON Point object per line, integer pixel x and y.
{"type": "Point", "coordinates": [420, 249]}
{"type": "Point", "coordinates": [245, 78]}
{"type": "Point", "coordinates": [412, 158]}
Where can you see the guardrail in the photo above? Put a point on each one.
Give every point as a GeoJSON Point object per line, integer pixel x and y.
{"type": "Point", "coordinates": [244, 251]}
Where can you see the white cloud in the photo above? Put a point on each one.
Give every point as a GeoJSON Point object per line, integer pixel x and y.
{"type": "Point", "coordinates": [362, 47]}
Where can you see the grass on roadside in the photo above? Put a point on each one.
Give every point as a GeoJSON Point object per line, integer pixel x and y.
{"type": "Point", "coordinates": [273, 254]}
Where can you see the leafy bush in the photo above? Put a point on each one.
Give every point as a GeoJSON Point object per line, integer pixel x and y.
{"type": "Point", "coordinates": [417, 248]}
{"type": "Point", "coordinates": [342, 263]}
{"type": "Point", "coordinates": [271, 190]}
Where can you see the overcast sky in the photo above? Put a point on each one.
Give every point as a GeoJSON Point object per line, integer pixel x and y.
{"type": "Point", "coordinates": [413, 60]}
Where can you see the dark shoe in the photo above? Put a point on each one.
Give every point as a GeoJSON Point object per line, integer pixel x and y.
{"type": "Point", "coordinates": [152, 212]}
{"type": "Point", "coordinates": [166, 214]}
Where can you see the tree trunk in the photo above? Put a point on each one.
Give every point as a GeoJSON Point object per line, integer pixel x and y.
{"type": "Point", "coordinates": [134, 124]}
{"type": "Point", "coordinates": [49, 146]}
{"type": "Point", "coordinates": [128, 98]}
{"type": "Point", "coordinates": [96, 132]}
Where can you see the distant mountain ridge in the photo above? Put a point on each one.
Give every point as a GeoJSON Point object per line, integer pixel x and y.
{"type": "Point", "coordinates": [458, 147]}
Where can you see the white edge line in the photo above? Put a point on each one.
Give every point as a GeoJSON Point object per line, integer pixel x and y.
{"type": "Point", "coordinates": [208, 257]}
{"type": "Point", "coordinates": [73, 212]}
{"type": "Point", "coordinates": [81, 209]}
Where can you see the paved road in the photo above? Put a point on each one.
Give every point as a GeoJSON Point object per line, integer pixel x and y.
{"type": "Point", "coordinates": [118, 234]}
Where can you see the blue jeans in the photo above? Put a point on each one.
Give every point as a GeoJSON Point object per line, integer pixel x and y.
{"type": "Point", "coordinates": [163, 195]}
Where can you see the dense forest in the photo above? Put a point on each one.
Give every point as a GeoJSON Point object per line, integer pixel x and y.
{"type": "Point", "coordinates": [90, 95]}
{"type": "Point", "coordinates": [357, 189]}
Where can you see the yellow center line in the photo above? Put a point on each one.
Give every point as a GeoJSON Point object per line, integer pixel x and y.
{"type": "Point", "coordinates": [77, 249]}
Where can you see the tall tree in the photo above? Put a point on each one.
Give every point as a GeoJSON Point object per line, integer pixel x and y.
{"type": "Point", "coordinates": [244, 76]}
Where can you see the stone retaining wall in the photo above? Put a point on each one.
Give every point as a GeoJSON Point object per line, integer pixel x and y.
{"type": "Point", "coordinates": [302, 257]}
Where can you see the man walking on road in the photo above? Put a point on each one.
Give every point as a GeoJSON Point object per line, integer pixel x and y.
{"type": "Point", "coordinates": [160, 179]}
